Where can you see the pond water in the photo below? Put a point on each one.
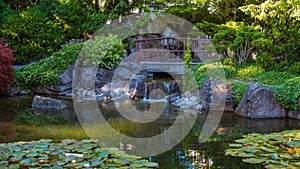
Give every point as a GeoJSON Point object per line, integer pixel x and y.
{"type": "Point", "coordinates": [18, 123]}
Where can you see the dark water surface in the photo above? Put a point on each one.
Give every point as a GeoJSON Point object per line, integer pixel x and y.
{"type": "Point", "coordinates": [18, 123]}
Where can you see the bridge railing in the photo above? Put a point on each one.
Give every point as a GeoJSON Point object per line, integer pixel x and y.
{"type": "Point", "coordinates": [169, 49]}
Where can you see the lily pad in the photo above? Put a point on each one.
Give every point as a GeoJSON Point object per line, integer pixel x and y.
{"type": "Point", "coordinates": [25, 162]}
{"type": "Point", "coordinates": [253, 160]}
{"type": "Point", "coordinates": [14, 166]}
{"type": "Point", "coordinates": [96, 163]}
{"type": "Point", "coordinates": [45, 154]}
{"type": "Point", "coordinates": [68, 141]}
{"type": "Point", "coordinates": [151, 165]}
{"type": "Point", "coordinates": [245, 154]}
{"type": "Point", "coordinates": [235, 145]}
{"type": "Point", "coordinates": [294, 144]}
{"type": "Point", "coordinates": [242, 141]}
{"type": "Point", "coordinates": [270, 150]}
{"type": "Point", "coordinates": [275, 150]}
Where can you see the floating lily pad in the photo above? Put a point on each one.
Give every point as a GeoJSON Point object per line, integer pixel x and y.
{"type": "Point", "coordinates": [286, 156]}
{"type": "Point", "coordinates": [270, 150]}
{"type": "Point", "coordinates": [25, 162]}
{"type": "Point", "coordinates": [242, 141]}
{"type": "Point", "coordinates": [14, 166]}
{"type": "Point", "coordinates": [151, 165]}
{"type": "Point", "coordinates": [45, 154]}
{"type": "Point", "coordinates": [275, 150]}
{"type": "Point", "coordinates": [235, 145]}
{"type": "Point", "coordinates": [245, 154]}
{"type": "Point", "coordinates": [294, 144]}
{"type": "Point", "coordinates": [96, 163]}
{"type": "Point", "coordinates": [253, 160]}
{"type": "Point", "coordinates": [68, 141]}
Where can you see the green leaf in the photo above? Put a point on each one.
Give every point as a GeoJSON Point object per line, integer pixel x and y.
{"type": "Point", "coordinates": [151, 165]}
{"type": "Point", "coordinates": [253, 160]}
{"type": "Point", "coordinates": [235, 145]}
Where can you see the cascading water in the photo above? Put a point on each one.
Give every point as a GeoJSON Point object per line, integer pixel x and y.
{"type": "Point", "coordinates": [145, 91]}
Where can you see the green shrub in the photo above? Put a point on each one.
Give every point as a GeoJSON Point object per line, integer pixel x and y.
{"type": "Point", "coordinates": [74, 14]}
{"type": "Point", "coordinates": [248, 70]}
{"type": "Point", "coordinates": [40, 30]}
{"type": "Point", "coordinates": [264, 60]}
{"type": "Point", "coordinates": [237, 41]}
{"type": "Point", "coordinates": [201, 74]}
{"type": "Point", "coordinates": [104, 51]}
{"type": "Point", "coordinates": [295, 68]}
{"type": "Point", "coordinates": [226, 61]}
{"type": "Point", "coordinates": [181, 11]}
{"type": "Point", "coordinates": [213, 69]}
{"type": "Point", "coordinates": [189, 83]}
{"type": "Point", "coordinates": [94, 22]}
{"type": "Point", "coordinates": [46, 71]}
{"type": "Point", "coordinates": [5, 11]}
{"type": "Point", "coordinates": [238, 91]}
{"type": "Point", "coordinates": [287, 94]}
{"type": "Point", "coordinates": [32, 34]}
{"type": "Point", "coordinates": [272, 77]}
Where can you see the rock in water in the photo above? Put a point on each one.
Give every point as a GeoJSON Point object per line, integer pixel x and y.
{"type": "Point", "coordinates": [46, 102]}
{"type": "Point", "coordinates": [258, 102]}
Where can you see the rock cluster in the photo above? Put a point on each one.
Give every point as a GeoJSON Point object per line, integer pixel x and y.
{"type": "Point", "coordinates": [257, 102]}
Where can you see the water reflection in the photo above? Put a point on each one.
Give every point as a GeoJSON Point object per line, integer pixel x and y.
{"type": "Point", "coordinates": [206, 155]}
{"type": "Point", "coordinates": [147, 139]}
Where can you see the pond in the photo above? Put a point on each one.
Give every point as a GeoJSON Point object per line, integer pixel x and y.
{"type": "Point", "coordinates": [18, 123]}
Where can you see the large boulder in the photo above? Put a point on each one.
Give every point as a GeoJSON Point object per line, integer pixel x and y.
{"type": "Point", "coordinates": [103, 77]}
{"type": "Point", "coordinates": [258, 102]}
{"type": "Point", "coordinates": [295, 114]}
{"type": "Point", "coordinates": [47, 103]}
{"type": "Point", "coordinates": [221, 90]}
{"type": "Point", "coordinates": [57, 89]}
{"type": "Point", "coordinates": [54, 107]}
{"type": "Point", "coordinates": [66, 76]}
{"type": "Point", "coordinates": [127, 69]}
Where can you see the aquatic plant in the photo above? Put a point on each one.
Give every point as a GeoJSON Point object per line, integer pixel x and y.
{"type": "Point", "coordinates": [274, 150]}
{"type": "Point", "coordinates": [68, 153]}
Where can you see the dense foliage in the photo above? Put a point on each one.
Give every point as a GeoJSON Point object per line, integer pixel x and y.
{"type": "Point", "coordinates": [6, 61]}
{"type": "Point", "coordinates": [288, 94]}
{"type": "Point", "coordinates": [279, 20]}
{"type": "Point", "coordinates": [32, 34]}
{"type": "Point", "coordinates": [46, 71]}
{"type": "Point", "coordinates": [40, 30]}
{"type": "Point", "coordinates": [104, 51]}
{"type": "Point", "coordinates": [239, 42]}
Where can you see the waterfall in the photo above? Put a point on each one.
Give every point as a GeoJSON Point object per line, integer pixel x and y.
{"type": "Point", "coordinates": [145, 91]}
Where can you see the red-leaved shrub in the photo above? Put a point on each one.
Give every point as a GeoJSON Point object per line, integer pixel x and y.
{"type": "Point", "coordinates": [6, 61]}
